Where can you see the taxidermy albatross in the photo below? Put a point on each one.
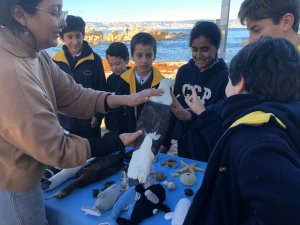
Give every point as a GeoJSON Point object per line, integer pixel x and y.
{"type": "Point", "coordinates": [154, 122]}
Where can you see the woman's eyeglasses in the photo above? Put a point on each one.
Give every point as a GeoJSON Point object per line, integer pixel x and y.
{"type": "Point", "coordinates": [60, 16]}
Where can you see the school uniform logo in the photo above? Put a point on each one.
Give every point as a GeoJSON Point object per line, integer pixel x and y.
{"type": "Point", "coordinates": [222, 169]}
{"type": "Point", "coordinates": [87, 72]}
{"type": "Point", "coordinates": [203, 93]}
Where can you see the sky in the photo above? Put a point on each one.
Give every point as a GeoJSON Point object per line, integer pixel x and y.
{"type": "Point", "coordinates": [148, 10]}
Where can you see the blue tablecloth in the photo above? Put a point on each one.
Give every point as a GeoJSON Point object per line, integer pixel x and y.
{"type": "Point", "coordinates": [67, 211]}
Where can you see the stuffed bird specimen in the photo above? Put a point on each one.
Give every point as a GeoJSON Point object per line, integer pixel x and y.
{"type": "Point", "coordinates": [154, 122]}
{"type": "Point", "coordinates": [103, 167]}
{"type": "Point", "coordinates": [63, 175]}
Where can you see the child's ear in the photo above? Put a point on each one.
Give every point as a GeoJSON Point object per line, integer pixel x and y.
{"type": "Point", "coordinates": [240, 86]}
{"type": "Point", "coordinates": [287, 21]}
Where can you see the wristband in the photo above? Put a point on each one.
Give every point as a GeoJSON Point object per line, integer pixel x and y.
{"type": "Point", "coordinates": [106, 106]}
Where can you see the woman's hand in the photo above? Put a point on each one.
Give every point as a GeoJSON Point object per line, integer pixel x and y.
{"type": "Point", "coordinates": [129, 138]}
{"type": "Point", "coordinates": [143, 96]}
{"type": "Point", "coordinates": [133, 99]}
{"type": "Point", "coordinates": [194, 103]}
{"type": "Point", "coordinates": [180, 112]}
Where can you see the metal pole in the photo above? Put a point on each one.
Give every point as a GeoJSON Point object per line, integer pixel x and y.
{"type": "Point", "coordinates": [223, 24]}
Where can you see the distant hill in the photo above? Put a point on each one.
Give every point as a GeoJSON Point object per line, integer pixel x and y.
{"type": "Point", "coordinates": [186, 24]}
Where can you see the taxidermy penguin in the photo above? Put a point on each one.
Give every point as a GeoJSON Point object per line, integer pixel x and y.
{"type": "Point", "coordinates": [62, 176]}
{"type": "Point", "coordinates": [103, 167]}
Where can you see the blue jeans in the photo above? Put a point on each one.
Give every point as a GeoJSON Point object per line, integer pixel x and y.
{"type": "Point", "coordinates": [22, 208]}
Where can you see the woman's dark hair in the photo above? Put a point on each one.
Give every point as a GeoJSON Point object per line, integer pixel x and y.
{"type": "Point", "coordinates": [270, 68]}
{"type": "Point", "coordinates": [269, 9]}
{"type": "Point", "coordinates": [118, 49]}
{"type": "Point", "coordinates": [6, 18]}
{"type": "Point", "coordinates": [209, 30]}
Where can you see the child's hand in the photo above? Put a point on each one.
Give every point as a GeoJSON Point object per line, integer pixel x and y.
{"type": "Point", "coordinates": [94, 122]}
{"type": "Point", "coordinates": [180, 112]}
{"type": "Point", "coordinates": [163, 149]}
{"type": "Point", "coordinates": [195, 104]}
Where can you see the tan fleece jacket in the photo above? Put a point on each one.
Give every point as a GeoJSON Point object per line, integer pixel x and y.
{"type": "Point", "coordinates": [32, 90]}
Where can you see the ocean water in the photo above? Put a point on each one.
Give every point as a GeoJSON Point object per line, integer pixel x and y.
{"type": "Point", "coordinates": [178, 50]}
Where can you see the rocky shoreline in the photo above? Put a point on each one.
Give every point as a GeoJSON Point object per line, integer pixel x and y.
{"type": "Point", "coordinates": [94, 37]}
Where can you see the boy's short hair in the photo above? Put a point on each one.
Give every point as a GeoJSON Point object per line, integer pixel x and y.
{"type": "Point", "coordinates": [74, 23]}
{"type": "Point", "coordinates": [207, 29]}
{"type": "Point", "coordinates": [144, 39]}
{"type": "Point", "coordinates": [270, 69]}
{"type": "Point", "coordinates": [118, 49]}
{"type": "Point", "coordinates": [269, 9]}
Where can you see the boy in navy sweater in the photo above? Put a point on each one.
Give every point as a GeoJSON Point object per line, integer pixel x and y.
{"type": "Point", "coordinates": [78, 60]}
{"type": "Point", "coordinates": [117, 56]}
{"type": "Point", "coordinates": [257, 159]}
{"type": "Point", "coordinates": [143, 76]}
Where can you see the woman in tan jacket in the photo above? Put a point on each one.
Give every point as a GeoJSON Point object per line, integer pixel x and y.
{"type": "Point", "coordinates": [32, 91]}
